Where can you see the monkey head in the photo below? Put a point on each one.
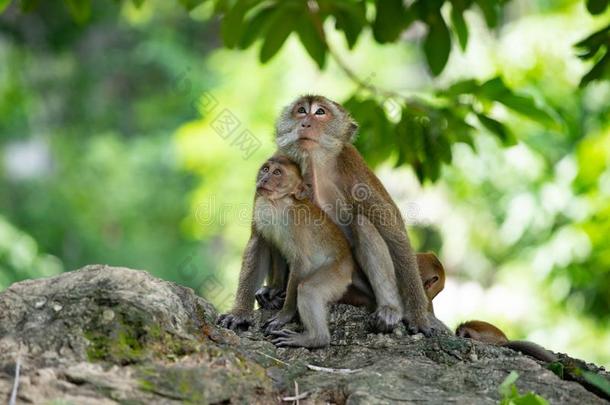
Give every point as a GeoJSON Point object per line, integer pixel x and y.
{"type": "Point", "coordinates": [432, 274]}
{"type": "Point", "coordinates": [314, 123]}
{"type": "Point", "coordinates": [279, 177]}
{"type": "Point", "coordinates": [481, 331]}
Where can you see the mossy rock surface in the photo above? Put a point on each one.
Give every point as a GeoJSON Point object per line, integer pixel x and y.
{"type": "Point", "coordinates": [106, 335]}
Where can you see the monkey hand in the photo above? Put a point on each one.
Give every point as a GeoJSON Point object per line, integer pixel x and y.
{"type": "Point", "coordinates": [278, 320]}
{"type": "Point", "coordinates": [290, 338]}
{"type": "Point", "coordinates": [236, 320]}
{"type": "Point", "coordinates": [421, 325]}
{"type": "Point", "coordinates": [270, 298]}
{"type": "Point", "coordinates": [386, 318]}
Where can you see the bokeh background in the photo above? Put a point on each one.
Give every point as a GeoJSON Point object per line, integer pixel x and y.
{"type": "Point", "coordinates": [131, 132]}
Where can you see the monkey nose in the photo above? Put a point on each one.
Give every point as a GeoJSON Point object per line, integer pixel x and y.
{"type": "Point", "coordinates": [304, 125]}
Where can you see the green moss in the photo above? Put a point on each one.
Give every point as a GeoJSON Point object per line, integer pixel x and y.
{"type": "Point", "coordinates": [130, 337]}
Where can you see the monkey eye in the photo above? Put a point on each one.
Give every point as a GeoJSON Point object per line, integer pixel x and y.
{"type": "Point", "coordinates": [320, 111]}
{"type": "Point", "coordinates": [301, 110]}
{"type": "Point", "coordinates": [277, 172]}
{"type": "Point", "coordinates": [265, 169]}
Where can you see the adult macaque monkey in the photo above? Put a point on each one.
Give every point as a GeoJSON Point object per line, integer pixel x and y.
{"type": "Point", "coordinates": [488, 333]}
{"type": "Point", "coordinates": [317, 133]}
{"type": "Point", "coordinates": [320, 260]}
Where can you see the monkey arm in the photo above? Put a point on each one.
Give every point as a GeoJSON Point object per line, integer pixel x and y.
{"type": "Point", "coordinates": [390, 225]}
{"type": "Point", "coordinates": [254, 268]}
{"type": "Point", "coordinates": [255, 265]}
{"type": "Point", "coordinates": [279, 270]}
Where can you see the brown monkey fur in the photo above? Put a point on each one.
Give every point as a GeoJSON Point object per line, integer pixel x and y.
{"type": "Point", "coordinates": [318, 254]}
{"type": "Point", "coordinates": [490, 334]}
{"type": "Point", "coordinates": [359, 293]}
{"type": "Point", "coordinates": [432, 276]}
{"type": "Point", "coordinates": [431, 271]}
{"type": "Point", "coordinates": [317, 133]}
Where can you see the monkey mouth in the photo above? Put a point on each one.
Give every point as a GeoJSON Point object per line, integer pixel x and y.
{"type": "Point", "coordinates": [262, 189]}
{"type": "Point", "coordinates": [305, 138]}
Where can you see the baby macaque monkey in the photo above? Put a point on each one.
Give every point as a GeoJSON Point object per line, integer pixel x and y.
{"type": "Point", "coordinates": [488, 333]}
{"type": "Point", "coordinates": [318, 254]}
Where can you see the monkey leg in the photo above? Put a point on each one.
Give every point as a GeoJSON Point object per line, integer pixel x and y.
{"type": "Point", "coordinates": [273, 295]}
{"type": "Point", "coordinates": [288, 311]}
{"type": "Point", "coordinates": [374, 259]}
{"type": "Point", "coordinates": [326, 285]}
{"type": "Point", "coordinates": [359, 293]}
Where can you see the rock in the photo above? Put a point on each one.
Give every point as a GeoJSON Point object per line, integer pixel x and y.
{"type": "Point", "coordinates": [105, 335]}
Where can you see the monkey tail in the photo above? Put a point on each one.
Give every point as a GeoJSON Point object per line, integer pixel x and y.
{"type": "Point", "coordinates": [531, 349]}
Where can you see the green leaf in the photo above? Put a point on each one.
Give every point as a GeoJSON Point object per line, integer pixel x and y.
{"type": "Point", "coordinates": [312, 40]}
{"type": "Point", "coordinates": [437, 44]}
{"type": "Point", "coordinates": [280, 27]}
{"type": "Point", "coordinates": [597, 6]}
{"type": "Point", "coordinates": [491, 10]}
{"type": "Point", "coordinates": [432, 160]}
{"type": "Point", "coordinates": [391, 19]}
{"type": "Point", "coordinates": [496, 90]}
{"type": "Point", "coordinates": [188, 4]}
{"type": "Point", "coordinates": [497, 128]}
{"type": "Point", "coordinates": [233, 22]}
{"type": "Point", "coordinates": [375, 139]}
{"type": "Point", "coordinates": [595, 40]}
{"type": "Point", "coordinates": [137, 3]}
{"type": "Point", "coordinates": [351, 19]}
{"type": "Point", "coordinates": [407, 131]}
{"type": "Point", "coordinates": [598, 381]}
{"type": "Point", "coordinates": [599, 70]}
{"type": "Point", "coordinates": [79, 9]}
{"type": "Point", "coordinates": [557, 368]}
{"type": "Point", "coordinates": [459, 27]}
{"type": "Point", "coordinates": [529, 399]}
{"type": "Point", "coordinates": [256, 27]}
{"type": "Point", "coordinates": [526, 106]}
{"type": "Point", "coordinates": [4, 4]}
{"type": "Point", "coordinates": [505, 387]}
{"type": "Point", "coordinates": [468, 86]}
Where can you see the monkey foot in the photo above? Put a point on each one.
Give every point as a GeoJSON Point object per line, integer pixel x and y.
{"type": "Point", "coordinates": [290, 338]}
{"type": "Point", "coordinates": [421, 327]}
{"type": "Point", "coordinates": [385, 319]}
{"type": "Point", "coordinates": [235, 321]}
{"type": "Point", "coordinates": [270, 298]}
{"type": "Point", "coordinates": [277, 321]}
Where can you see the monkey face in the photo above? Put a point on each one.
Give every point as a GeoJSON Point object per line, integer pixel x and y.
{"type": "Point", "coordinates": [313, 123]}
{"type": "Point", "coordinates": [278, 178]}
{"type": "Point", "coordinates": [432, 274]}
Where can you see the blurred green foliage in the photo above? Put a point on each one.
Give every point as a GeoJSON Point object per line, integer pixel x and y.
{"type": "Point", "coordinates": [109, 153]}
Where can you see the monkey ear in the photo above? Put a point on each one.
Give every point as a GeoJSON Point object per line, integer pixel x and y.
{"type": "Point", "coordinates": [432, 287]}
{"type": "Point", "coordinates": [352, 131]}
{"type": "Point", "coordinates": [304, 191]}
